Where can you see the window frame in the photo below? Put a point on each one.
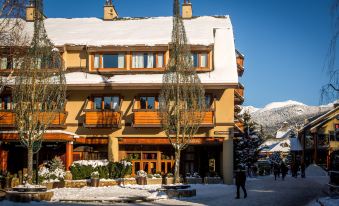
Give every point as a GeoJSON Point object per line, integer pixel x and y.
{"type": "Point", "coordinates": [156, 102]}
{"type": "Point", "coordinates": [2, 103]}
{"type": "Point", "coordinates": [199, 54]}
{"type": "Point", "coordinates": [155, 53]}
{"type": "Point", "coordinates": [101, 66]}
{"type": "Point", "coordinates": [102, 96]}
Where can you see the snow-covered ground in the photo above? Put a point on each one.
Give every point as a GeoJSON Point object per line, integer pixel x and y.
{"type": "Point", "coordinates": [261, 191]}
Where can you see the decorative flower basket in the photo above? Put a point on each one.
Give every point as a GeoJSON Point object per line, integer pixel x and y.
{"type": "Point", "coordinates": [141, 177]}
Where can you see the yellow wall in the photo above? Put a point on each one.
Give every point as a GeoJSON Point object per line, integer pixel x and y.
{"type": "Point", "coordinates": [224, 114]}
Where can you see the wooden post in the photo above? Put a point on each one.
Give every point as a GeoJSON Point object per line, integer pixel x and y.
{"type": "Point", "coordinates": [3, 159]}
{"type": "Point", "coordinates": [158, 167]}
{"type": "Point", "coordinates": [69, 155]}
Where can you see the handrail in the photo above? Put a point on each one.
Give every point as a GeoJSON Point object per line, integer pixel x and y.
{"type": "Point", "coordinates": [133, 105]}
{"type": "Point", "coordinates": [86, 103]}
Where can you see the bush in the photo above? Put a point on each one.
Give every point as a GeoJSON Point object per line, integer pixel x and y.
{"type": "Point", "coordinates": [119, 169]}
{"type": "Point", "coordinates": [83, 169]}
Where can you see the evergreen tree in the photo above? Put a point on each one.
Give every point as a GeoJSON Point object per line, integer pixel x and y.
{"type": "Point", "coordinates": [246, 146]}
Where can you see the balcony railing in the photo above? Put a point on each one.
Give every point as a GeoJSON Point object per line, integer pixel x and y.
{"type": "Point", "coordinates": [105, 118]}
{"type": "Point", "coordinates": [239, 94]}
{"type": "Point", "coordinates": [7, 118]}
{"type": "Point", "coordinates": [151, 118]}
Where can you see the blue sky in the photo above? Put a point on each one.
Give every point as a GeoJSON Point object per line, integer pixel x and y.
{"type": "Point", "coordinates": [285, 42]}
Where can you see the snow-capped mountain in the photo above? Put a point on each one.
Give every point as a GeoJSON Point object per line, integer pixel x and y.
{"type": "Point", "coordinates": [272, 116]}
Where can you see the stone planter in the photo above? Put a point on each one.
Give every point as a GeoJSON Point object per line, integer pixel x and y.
{"type": "Point", "coordinates": [194, 180]}
{"type": "Point", "coordinates": [95, 182]}
{"type": "Point", "coordinates": [169, 180]}
{"type": "Point", "coordinates": [213, 180]}
{"type": "Point", "coordinates": [154, 181]}
{"type": "Point", "coordinates": [141, 180]}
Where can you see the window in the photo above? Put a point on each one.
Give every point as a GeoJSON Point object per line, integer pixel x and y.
{"type": "Point", "coordinates": [5, 103]}
{"type": "Point", "coordinates": [200, 59]}
{"type": "Point", "coordinates": [106, 102]}
{"type": "Point", "coordinates": [147, 60]}
{"type": "Point", "coordinates": [109, 61]}
{"type": "Point", "coordinates": [147, 102]}
{"type": "Point", "coordinates": [208, 100]}
{"type": "Point", "coordinates": [3, 63]}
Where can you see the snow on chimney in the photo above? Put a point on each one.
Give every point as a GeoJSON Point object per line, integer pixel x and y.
{"type": "Point", "coordinates": [109, 11]}
{"type": "Point", "coordinates": [187, 12]}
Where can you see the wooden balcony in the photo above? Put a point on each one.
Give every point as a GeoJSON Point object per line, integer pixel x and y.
{"type": "Point", "coordinates": [239, 94]}
{"type": "Point", "coordinates": [7, 119]}
{"type": "Point", "coordinates": [102, 118]}
{"type": "Point", "coordinates": [151, 118]}
{"type": "Point", "coordinates": [105, 118]}
{"type": "Point", "coordinates": [240, 63]}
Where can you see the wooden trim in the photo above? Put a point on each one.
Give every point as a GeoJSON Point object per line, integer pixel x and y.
{"type": "Point", "coordinates": [47, 137]}
{"type": "Point", "coordinates": [165, 141]}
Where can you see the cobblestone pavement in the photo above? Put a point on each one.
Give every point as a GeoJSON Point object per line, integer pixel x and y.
{"type": "Point", "coordinates": [261, 191]}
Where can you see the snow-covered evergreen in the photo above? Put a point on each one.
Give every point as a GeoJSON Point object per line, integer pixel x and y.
{"type": "Point", "coordinates": [246, 146]}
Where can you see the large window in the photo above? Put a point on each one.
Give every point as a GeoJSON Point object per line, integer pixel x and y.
{"type": "Point", "coordinates": [147, 60]}
{"type": "Point", "coordinates": [200, 59]}
{"type": "Point", "coordinates": [106, 102]}
{"type": "Point", "coordinates": [147, 102]}
{"type": "Point", "coordinates": [5, 103]}
{"type": "Point", "coordinates": [109, 61]}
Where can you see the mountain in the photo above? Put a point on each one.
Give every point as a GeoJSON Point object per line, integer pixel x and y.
{"type": "Point", "coordinates": [272, 116]}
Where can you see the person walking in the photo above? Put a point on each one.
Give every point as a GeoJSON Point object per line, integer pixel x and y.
{"type": "Point", "coordinates": [284, 170]}
{"type": "Point", "coordinates": [240, 181]}
{"type": "Point", "coordinates": [276, 170]}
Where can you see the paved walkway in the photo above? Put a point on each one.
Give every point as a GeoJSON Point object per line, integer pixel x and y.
{"type": "Point", "coordinates": [263, 191]}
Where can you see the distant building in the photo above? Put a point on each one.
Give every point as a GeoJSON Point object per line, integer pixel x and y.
{"type": "Point", "coordinates": [284, 143]}
{"type": "Point", "coordinates": [320, 138]}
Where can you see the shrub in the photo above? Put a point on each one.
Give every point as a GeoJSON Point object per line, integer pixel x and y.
{"type": "Point", "coordinates": [119, 169]}
{"type": "Point", "coordinates": [83, 169]}
{"type": "Point", "coordinates": [52, 171]}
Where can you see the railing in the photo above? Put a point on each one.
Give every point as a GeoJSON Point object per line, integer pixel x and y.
{"type": "Point", "coordinates": [103, 118]}
{"type": "Point", "coordinates": [151, 117]}
{"type": "Point", "coordinates": [7, 118]}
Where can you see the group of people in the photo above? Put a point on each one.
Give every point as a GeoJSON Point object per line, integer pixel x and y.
{"type": "Point", "coordinates": [280, 169]}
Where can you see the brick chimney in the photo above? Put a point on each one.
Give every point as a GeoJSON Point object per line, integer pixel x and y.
{"type": "Point", "coordinates": [30, 11]}
{"type": "Point", "coordinates": [187, 9]}
{"type": "Point", "coordinates": [109, 11]}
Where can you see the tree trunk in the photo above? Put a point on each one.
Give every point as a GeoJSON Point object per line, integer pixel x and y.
{"type": "Point", "coordinates": [29, 164]}
{"type": "Point", "coordinates": [177, 166]}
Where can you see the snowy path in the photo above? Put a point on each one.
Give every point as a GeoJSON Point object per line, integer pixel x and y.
{"type": "Point", "coordinates": [261, 191]}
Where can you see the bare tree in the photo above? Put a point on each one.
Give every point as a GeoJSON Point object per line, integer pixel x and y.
{"type": "Point", "coordinates": [11, 35]}
{"type": "Point", "coordinates": [330, 91]}
{"type": "Point", "coordinates": [182, 98]}
{"type": "Point", "coordinates": [39, 89]}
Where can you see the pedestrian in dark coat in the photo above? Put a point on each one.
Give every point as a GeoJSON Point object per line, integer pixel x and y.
{"type": "Point", "coordinates": [284, 170]}
{"type": "Point", "coordinates": [240, 180]}
{"type": "Point", "coordinates": [276, 170]}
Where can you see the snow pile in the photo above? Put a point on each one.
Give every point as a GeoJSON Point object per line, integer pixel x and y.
{"type": "Point", "coordinates": [327, 201]}
{"type": "Point", "coordinates": [93, 163]}
{"type": "Point", "coordinates": [315, 171]}
{"type": "Point", "coordinates": [108, 193]}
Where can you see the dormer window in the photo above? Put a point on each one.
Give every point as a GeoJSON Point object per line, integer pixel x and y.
{"type": "Point", "coordinates": [147, 60]}
{"type": "Point", "coordinates": [200, 59]}
{"type": "Point", "coordinates": [109, 61]}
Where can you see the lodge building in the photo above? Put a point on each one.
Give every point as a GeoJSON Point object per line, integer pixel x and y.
{"type": "Point", "coordinates": [114, 72]}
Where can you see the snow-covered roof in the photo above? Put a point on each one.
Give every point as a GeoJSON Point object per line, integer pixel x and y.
{"type": "Point", "coordinates": [128, 31]}
{"type": "Point", "coordinates": [206, 30]}
{"type": "Point", "coordinates": [281, 145]}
